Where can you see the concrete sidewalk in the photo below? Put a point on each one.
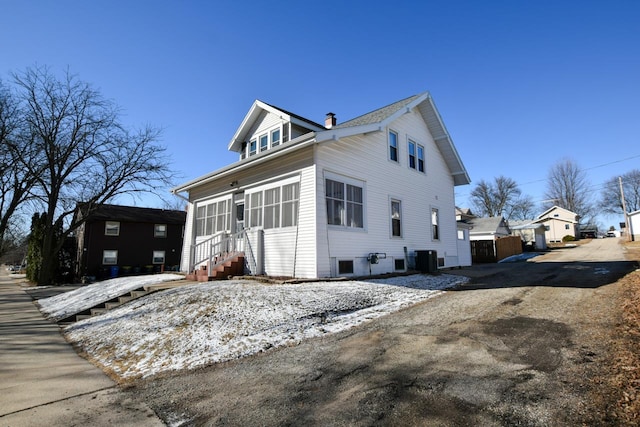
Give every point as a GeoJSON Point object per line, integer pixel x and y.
{"type": "Point", "coordinates": [43, 382]}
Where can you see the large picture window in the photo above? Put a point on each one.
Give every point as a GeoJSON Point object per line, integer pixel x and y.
{"type": "Point", "coordinates": [345, 204]}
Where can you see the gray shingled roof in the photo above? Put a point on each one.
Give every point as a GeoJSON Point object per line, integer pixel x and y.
{"type": "Point", "coordinates": [378, 115]}
{"type": "Point", "coordinates": [485, 225]}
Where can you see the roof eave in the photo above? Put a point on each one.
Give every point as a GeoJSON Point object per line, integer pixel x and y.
{"type": "Point", "coordinates": [284, 149]}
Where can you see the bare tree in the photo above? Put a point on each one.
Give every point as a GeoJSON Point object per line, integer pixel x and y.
{"type": "Point", "coordinates": [80, 154]}
{"type": "Point", "coordinates": [568, 187]}
{"type": "Point", "coordinates": [611, 200]}
{"type": "Point", "coordinates": [16, 182]}
{"type": "Point", "coordinates": [501, 197]}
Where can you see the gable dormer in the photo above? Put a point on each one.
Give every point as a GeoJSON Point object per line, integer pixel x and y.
{"type": "Point", "coordinates": [266, 127]}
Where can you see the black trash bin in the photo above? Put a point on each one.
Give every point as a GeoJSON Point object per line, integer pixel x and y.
{"type": "Point", "coordinates": [427, 261]}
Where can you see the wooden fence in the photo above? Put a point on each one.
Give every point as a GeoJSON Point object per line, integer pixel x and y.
{"type": "Point", "coordinates": [494, 250]}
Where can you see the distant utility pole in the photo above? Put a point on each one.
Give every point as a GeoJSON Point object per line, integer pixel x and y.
{"type": "Point", "coordinates": [624, 211]}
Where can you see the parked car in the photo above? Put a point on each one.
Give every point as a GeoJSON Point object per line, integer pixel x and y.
{"type": "Point", "coordinates": [611, 234]}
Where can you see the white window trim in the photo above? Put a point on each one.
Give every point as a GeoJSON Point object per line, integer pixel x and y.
{"type": "Point", "coordinates": [112, 223]}
{"type": "Point", "coordinates": [104, 252]}
{"type": "Point", "coordinates": [418, 146]}
{"type": "Point", "coordinates": [439, 225]}
{"type": "Point", "coordinates": [391, 201]}
{"type": "Point", "coordinates": [158, 235]}
{"type": "Point", "coordinates": [153, 257]}
{"type": "Point", "coordinates": [257, 138]}
{"type": "Point", "coordinates": [205, 203]}
{"type": "Point", "coordinates": [269, 186]}
{"type": "Point", "coordinates": [397, 134]}
{"type": "Point", "coordinates": [351, 181]}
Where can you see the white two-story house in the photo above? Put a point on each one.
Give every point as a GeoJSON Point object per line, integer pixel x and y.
{"type": "Point", "coordinates": [309, 200]}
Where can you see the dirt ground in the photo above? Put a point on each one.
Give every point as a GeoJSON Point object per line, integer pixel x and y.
{"type": "Point", "coordinates": [548, 342]}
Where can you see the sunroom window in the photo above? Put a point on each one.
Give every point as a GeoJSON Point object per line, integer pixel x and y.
{"type": "Point", "coordinates": [274, 207]}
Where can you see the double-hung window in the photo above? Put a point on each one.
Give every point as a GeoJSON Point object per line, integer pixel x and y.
{"type": "Point", "coordinates": [412, 154]}
{"type": "Point", "coordinates": [416, 156]}
{"type": "Point", "coordinates": [435, 224]}
{"type": "Point", "coordinates": [396, 219]}
{"type": "Point", "coordinates": [393, 146]}
{"type": "Point", "coordinates": [264, 142]}
{"type": "Point", "coordinates": [253, 147]}
{"type": "Point", "coordinates": [345, 204]}
{"type": "Point", "coordinates": [420, 158]}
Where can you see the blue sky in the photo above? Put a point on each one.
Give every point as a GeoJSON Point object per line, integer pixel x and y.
{"type": "Point", "coordinates": [519, 84]}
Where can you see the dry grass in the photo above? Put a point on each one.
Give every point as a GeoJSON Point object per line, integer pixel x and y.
{"type": "Point", "coordinates": [623, 373]}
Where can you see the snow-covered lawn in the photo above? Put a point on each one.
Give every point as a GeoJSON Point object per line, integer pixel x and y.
{"type": "Point", "coordinates": [69, 303]}
{"type": "Point", "coordinates": [200, 324]}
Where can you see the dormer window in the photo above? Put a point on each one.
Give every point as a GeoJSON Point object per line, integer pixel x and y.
{"type": "Point", "coordinates": [263, 142]}
{"type": "Point", "coordinates": [275, 137]}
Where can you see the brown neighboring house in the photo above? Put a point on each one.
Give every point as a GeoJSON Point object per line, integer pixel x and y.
{"type": "Point", "coordinates": [122, 240]}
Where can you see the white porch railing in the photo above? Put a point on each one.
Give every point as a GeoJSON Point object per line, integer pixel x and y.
{"type": "Point", "coordinates": [217, 249]}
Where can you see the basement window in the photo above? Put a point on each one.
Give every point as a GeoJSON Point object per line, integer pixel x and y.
{"type": "Point", "coordinates": [345, 267]}
{"type": "Point", "coordinates": [399, 264]}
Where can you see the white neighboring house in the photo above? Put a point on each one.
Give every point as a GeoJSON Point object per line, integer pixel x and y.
{"type": "Point", "coordinates": [634, 225]}
{"type": "Point", "coordinates": [531, 233]}
{"type": "Point", "coordinates": [309, 200]}
{"type": "Point", "coordinates": [559, 222]}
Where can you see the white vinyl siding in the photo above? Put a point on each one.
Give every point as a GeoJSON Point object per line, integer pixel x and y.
{"type": "Point", "coordinates": [417, 193]}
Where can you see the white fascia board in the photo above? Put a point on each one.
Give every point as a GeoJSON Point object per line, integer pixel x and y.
{"type": "Point", "coordinates": [253, 113]}
{"type": "Point", "coordinates": [335, 134]}
{"type": "Point", "coordinates": [293, 145]}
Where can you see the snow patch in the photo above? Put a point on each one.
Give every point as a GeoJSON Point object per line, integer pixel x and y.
{"type": "Point", "coordinates": [205, 323]}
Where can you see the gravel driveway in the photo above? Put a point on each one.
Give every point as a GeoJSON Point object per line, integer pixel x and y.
{"type": "Point", "coordinates": [516, 346]}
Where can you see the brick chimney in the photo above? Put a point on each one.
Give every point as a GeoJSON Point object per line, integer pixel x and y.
{"type": "Point", "coordinates": [330, 120]}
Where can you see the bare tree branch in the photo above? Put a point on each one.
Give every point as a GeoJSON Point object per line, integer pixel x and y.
{"type": "Point", "coordinates": [80, 154]}
{"type": "Point", "coordinates": [568, 187]}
